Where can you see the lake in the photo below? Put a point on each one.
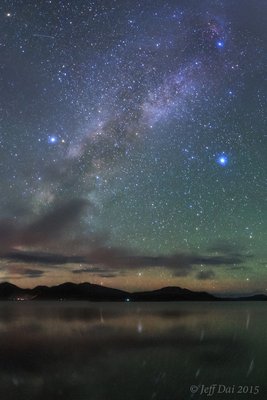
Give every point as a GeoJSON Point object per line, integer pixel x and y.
{"type": "Point", "coordinates": [133, 351]}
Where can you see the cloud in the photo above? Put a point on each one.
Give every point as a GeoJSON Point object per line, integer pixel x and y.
{"type": "Point", "coordinates": [23, 271]}
{"type": "Point", "coordinates": [238, 267]}
{"type": "Point", "coordinates": [42, 258]}
{"type": "Point", "coordinates": [108, 261]}
{"type": "Point", "coordinates": [54, 223]}
{"type": "Point", "coordinates": [181, 262]}
{"type": "Point", "coordinates": [101, 272]}
{"type": "Point", "coordinates": [49, 227]}
{"type": "Point", "coordinates": [58, 229]}
{"type": "Point", "coordinates": [32, 273]}
{"type": "Point", "coordinates": [227, 248]}
{"type": "Point", "coordinates": [205, 275]}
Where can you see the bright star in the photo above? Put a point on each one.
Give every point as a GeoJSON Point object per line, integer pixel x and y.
{"type": "Point", "coordinates": [222, 160]}
{"type": "Point", "coordinates": [220, 44]}
{"type": "Point", "coordinates": [52, 139]}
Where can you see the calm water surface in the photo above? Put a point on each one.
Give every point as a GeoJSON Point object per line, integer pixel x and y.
{"type": "Point", "coordinates": [132, 351]}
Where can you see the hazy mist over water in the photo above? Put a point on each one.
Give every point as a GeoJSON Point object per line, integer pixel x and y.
{"type": "Point", "coordinates": [130, 351]}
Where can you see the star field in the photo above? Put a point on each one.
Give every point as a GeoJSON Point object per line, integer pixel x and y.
{"type": "Point", "coordinates": [133, 143]}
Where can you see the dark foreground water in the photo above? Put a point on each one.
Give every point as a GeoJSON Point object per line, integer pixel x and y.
{"type": "Point", "coordinates": [133, 351]}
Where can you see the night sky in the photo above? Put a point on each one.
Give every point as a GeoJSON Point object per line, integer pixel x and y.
{"type": "Point", "coordinates": [133, 143]}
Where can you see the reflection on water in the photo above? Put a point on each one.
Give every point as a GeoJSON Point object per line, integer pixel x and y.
{"type": "Point", "coordinates": [130, 351]}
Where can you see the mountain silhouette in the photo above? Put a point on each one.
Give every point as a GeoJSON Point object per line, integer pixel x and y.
{"type": "Point", "coordinates": [91, 292]}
